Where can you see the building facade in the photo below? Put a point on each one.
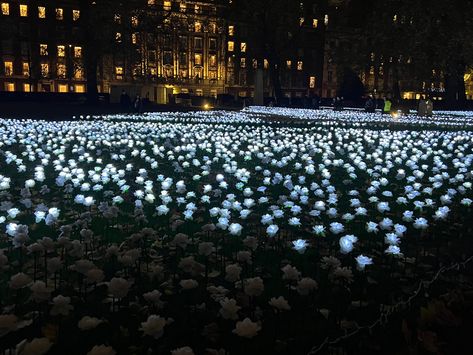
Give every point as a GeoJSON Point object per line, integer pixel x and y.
{"type": "Point", "coordinates": [40, 46]}
{"type": "Point", "coordinates": [163, 49]}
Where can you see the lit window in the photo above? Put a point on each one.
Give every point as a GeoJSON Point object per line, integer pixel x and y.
{"type": "Point", "coordinates": [231, 46]}
{"type": "Point", "coordinates": [288, 64]}
{"type": "Point", "coordinates": [182, 6]}
{"type": "Point", "coordinates": [134, 21]}
{"type": "Point", "coordinates": [41, 12]}
{"type": "Point", "coordinates": [117, 18]}
{"type": "Point", "coordinates": [78, 73]}
{"type": "Point", "coordinates": [151, 2]}
{"type": "Point", "coordinates": [118, 37]}
{"type": "Point", "coordinates": [299, 65]}
{"type": "Point", "coordinates": [197, 9]}
{"type": "Point", "coordinates": [61, 71]}
{"type": "Point", "coordinates": [59, 14]}
{"type": "Point", "coordinates": [26, 69]}
{"type": "Point", "coordinates": [326, 20]}
{"type": "Point", "coordinates": [255, 63]}
{"type": "Point", "coordinates": [242, 62]}
{"type": "Point", "coordinates": [61, 51]}
{"type": "Point", "coordinates": [79, 88]}
{"type": "Point", "coordinates": [77, 52]}
{"type": "Point", "coordinates": [44, 69]}
{"type": "Point", "coordinates": [312, 82]}
{"type": "Point", "coordinates": [62, 88]}
{"type": "Point", "coordinates": [119, 72]}
{"type": "Point", "coordinates": [134, 38]}
{"type": "Point", "coordinates": [43, 49]}
{"type": "Point", "coordinates": [198, 59]}
{"type": "Point", "coordinates": [23, 10]}
{"type": "Point", "coordinates": [9, 86]}
{"type": "Point", "coordinates": [301, 21]}
{"type": "Point", "coordinates": [243, 47]}
{"type": "Point", "coordinates": [213, 27]}
{"type": "Point", "coordinates": [75, 15]}
{"type": "Point", "coordinates": [265, 64]}
{"type": "Point", "coordinates": [213, 60]}
{"type": "Point", "coordinates": [167, 5]}
{"type": "Point", "coordinates": [213, 75]}
{"type": "Point", "coordinates": [231, 30]}
{"type": "Point", "coordinates": [8, 68]}
{"type": "Point", "coordinates": [315, 23]}
{"type": "Point", "coordinates": [26, 87]}
{"type": "Point", "coordinates": [197, 26]}
{"type": "Point", "coordinates": [5, 8]}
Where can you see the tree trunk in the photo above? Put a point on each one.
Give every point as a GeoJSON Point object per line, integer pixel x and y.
{"type": "Point", "coordinates": [276, 81]}
{"type": "Point", "coordinates": [455, 95]}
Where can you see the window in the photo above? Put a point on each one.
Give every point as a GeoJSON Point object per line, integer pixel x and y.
{"type": "Point", "coordinates": [183, 73]}
{"type": "Point", "coordinates": [61, 71]}
{"type": "Point", "coordinates": [255, 63]}
{"type": "Point", "coordinates": [213, 75]}
{"type": "Point", "coordinates": [300, 65]}
{"type": "Point", "coordinates": [167, 5]}
{"type": "Point", "coordinates": [329, 76]}
{"type": "Point", "coordinates": [118, 37]}
{"type": "Point", "coordinates": [231, 30]}
{"type": "Point", "coordinates": [119, 73]}
{"type": "Point", "coordinates": [242, 62]}
{"type": "Point", "coordinates": [134, 21]}
{"type": "Point", "coordinates": [265, 64]}
{"type": "Point", "coordinates": [197, 26]}
{"type": "Point", "coordinates": [182, 6]}
{"type": "Point", "coordinates": [183, 59]}
{"type": "Point", "coordinates": [117, 18]}
{"type": "Point", "coordinates": [288, 64]}
{"type": "Point", "coordinates": [198, 59]}
{"type": "Point", "coordinates": [213, 27]}
{"type": "Point", "coordinates": [79, 88]}
{"type": "Point", "coordinates": [212, 44]}
{"type": "Point", "coordinates": [134, 38]}
{"type": "Point", "coordinates": [8, 68]}
{"type": "Point", "coordinates": [62, 88]}
{"type": "Point", "coordinates": [75, 15]}
{"type": "Point", "coordinates": [9, 86]}
{"type": "Point", "coordinates": [198, 43]}
{"type": "Point", "coordinates": [26, 69]}
{"type": "Point", "coordinates": [5, 8]}
{"type": "Point", "coordinates": [243, 47]}
{"type": "Point", "coordinates": [301, 21]}
{"type": "Point", "coordinates": [79, 73]}
{"type": "Point", "coordinates": [23, 10]}
{"type": "Point", "coordinates": [44, 70]}
{"type": "Point", "coordinates": [197, 9]}
{"type": "Point", "coordinates": [41, 12]}
{"type": "Point", "coordinates": [167, 58]}
{"type": "Point", "coordinates": [213, 60]}
{"type": "Point", "coordinates": [43, 49]}
{"type": "Point", "coordinates": [231, 46]}
{"type": "Point", "coordinates": [61, 51]}
{"type": "Point", "coordinates": [315, 23]}
{"type": "Point", "coordinates": [59, 14]}
{"type": "Point", "coordinates": [77, 52]}
{"type": "Point", "coordinates": [312, 82]}
{"type": "Point", "coordinates": [26, 87]}
{"type": "Point", "coordinates": [326, 20]}
{"type": "Point", "coordinates": [183, 42]}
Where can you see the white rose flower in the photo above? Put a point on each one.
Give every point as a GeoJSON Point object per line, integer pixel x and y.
{"type": "Point", "coordinates": [246, 328]}
{"type": "Point", "coordinates": [88, 323]}
{"type": "Point", "coordinates": [280, 303]}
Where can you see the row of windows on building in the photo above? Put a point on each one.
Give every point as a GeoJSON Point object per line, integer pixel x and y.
{"type": "Point", "coordinates": [61, 70]}
{"type": "Point", "coordinates": [60, 87]}
{"type": "Point", "coordinates": [23, 11]}
{"type": "Point", "coordinates": [184, 7]}
{"type": "Point", "coordinates": [76, 51]}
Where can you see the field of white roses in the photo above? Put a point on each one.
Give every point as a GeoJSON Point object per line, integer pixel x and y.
{"type": "Point", "coordinates": [223, 232]}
